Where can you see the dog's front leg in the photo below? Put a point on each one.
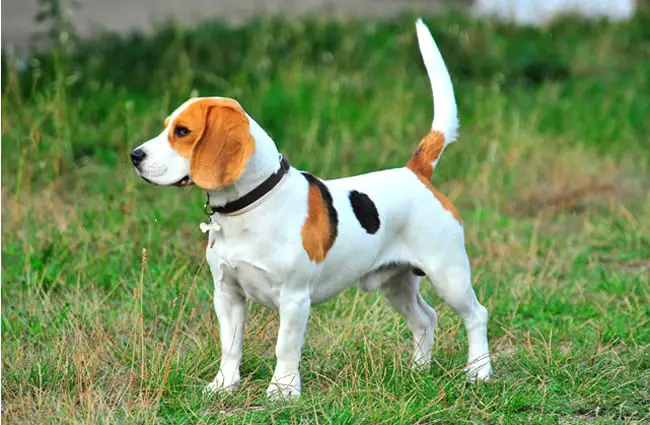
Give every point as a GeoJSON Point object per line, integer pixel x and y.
{"type": "Point", "coordinates": [230, 306]}
{"type": "Point", "coordinates": [294, 314]}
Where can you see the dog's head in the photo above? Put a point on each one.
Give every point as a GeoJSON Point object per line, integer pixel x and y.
{"type": "Point", "coordinates": [206, 141]}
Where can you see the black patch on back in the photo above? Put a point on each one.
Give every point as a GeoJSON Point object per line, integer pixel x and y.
{"type": "Point", "coordinates": [365, 211]}
{"type": "Point", "coordinates": [327, 198]}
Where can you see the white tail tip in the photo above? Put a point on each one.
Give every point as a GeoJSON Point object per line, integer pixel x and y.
{"type": "Point", "coordinates": [445, 110]}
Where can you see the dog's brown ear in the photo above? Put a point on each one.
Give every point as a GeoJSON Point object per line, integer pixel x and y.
{"type": "Point", "coordinates": [220, 155]}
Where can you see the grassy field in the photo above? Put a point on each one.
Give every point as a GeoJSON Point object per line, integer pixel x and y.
{"type": "Point", "coordinates": [106, 302]}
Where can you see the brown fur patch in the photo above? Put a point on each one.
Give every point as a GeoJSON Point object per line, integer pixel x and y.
{"type": "Point", "coordinates": [421, 163]}
{"type": "Point", "coordinates": [428, 151]}
{"type": "Point", "coordinates": [320, 228]}
{"type": "Point", "coordinates": [219, 144]}
{"type": "Point", "coordinates": [446, 203]}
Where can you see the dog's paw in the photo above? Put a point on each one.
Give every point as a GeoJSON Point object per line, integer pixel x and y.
{"type": "Point", "coordinates": [480, 370]}
{"type": "Point", "coordinates": [220, 384]}
{"type": "Point", "coordinates": [421, 362]}
{"type": "Point", "coordinates": [284, 388]}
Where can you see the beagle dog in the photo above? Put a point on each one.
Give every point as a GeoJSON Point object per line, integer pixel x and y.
{"type": "Point", "coordinates": [289, 240]}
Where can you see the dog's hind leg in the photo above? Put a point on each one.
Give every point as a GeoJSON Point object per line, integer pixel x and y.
{"type": "Point", "coordinates": [403, 293]}
{"type": "Point", "coordinates": [451, 278]}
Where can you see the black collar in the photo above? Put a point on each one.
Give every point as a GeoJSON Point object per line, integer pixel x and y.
{"type": "Point", "coordinates": [254, 195]}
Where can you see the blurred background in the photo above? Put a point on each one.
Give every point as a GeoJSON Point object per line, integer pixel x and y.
{"type": "Point", "coordinates": [92, 16]}
{"type": "Point", "coordinates": [106, 303]}
{"type": "Point", "coordinates": [18, 25]}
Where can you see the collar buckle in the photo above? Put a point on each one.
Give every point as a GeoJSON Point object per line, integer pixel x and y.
{"type": "Point", "coordinates": [207, 209]}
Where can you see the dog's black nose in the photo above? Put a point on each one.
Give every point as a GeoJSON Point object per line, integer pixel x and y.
{"type": "Point", "coordinates": [137, 155]}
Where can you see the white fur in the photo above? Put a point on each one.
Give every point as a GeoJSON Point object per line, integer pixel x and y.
{"type": "Point", "coordinates": [446, 115]}
{"type": "Point", "coordinates": [259, 254]}
{"type": "Point", "coordinates": [539, 12]}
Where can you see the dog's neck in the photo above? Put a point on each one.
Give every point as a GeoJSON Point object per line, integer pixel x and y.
{"type": "Point", "coordinates": [264, 162]}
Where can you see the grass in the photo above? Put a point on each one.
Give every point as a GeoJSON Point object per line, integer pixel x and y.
{"type": "Point", "coordinates": [107, 314]}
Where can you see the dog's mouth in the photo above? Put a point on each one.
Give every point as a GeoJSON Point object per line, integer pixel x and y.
{"type": "Point", "coordinates": [185, 181]}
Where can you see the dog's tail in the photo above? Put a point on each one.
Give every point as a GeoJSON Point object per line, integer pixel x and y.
{"type": "Point", "coordinates": [444, 128]}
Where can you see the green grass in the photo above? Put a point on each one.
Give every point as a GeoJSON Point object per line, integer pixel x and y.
{"type": "Point", "coordinates": [551, 175]}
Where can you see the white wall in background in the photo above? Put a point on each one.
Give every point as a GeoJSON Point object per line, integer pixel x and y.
{"type": "Point", "coordinates": [537, 12]}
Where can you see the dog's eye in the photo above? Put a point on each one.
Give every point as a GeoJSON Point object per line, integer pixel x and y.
{"type": "Point", "coordinates": [181, 131]}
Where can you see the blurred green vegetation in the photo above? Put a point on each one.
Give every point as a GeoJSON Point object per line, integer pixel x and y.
{"type": "Point", "coordinates": [340, 74]}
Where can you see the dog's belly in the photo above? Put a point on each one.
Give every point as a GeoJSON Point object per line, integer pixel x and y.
{"type": "Point", "coordinates": [322, 293]}
{"type": "Point", "coordinates": [258, 285]}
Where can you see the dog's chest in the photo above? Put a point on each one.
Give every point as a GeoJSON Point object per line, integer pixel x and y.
{"type": "Point", "coordinates": [249, 265]}
{"type": "Point", "coordinates": [255, 281]}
